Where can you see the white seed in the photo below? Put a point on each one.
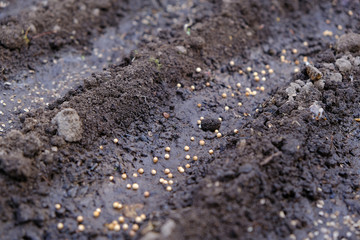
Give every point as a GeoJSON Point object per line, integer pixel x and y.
{"type": "Point", "coordinates": [153, 172]}
{"type": "Point", "coordinates": [195, 158]}
{"type": "Point", "coordinates": [218, 135]}
{"type": "Point", "coordinates": [60, 226]}
{"type": "Point", "coordinates": [116, 140]}
{"type": "Point", "coordinates": [80, 219]}
{"type": "Point", "coordinates": [211, 151]}
{"type": "Point", "coordinates": [232, 63]}
{"type": "Point", "coordinates": [155, 159]}
{"type": "Point", "coordinates": [186, 148]}
{"type": "Point", "coordinates": [181, 169]}
{"type": "Point", "coordinates": [198, 69]}
{"type": "Point", "coordinates": [167, 171]}
{"type": "Point", "coordinates": [135, 186]}
{"type": "Point", "coordinates": [187, 157]}
{"type": "Point", "coordinates": [168, 188]}
{"type": "Point", "coordinates": [166, 156]}
{"type": "Point", "coordinates": [81, 227]}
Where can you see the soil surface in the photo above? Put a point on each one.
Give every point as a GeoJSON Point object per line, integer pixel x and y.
{"type": "Point", "coordinates": [180, 119]}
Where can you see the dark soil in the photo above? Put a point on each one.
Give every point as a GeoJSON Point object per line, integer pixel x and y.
{"type": "Point", "coordinates": [260, 149]}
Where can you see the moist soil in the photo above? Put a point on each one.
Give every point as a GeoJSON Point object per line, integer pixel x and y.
{"type": "Point", "coordinates": [180, 120]}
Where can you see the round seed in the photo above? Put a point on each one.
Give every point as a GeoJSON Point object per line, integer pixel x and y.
{"type": "Point", "coordinates": [167, 171]}
{"type": "Point", "coordinates": [226, 108]}
{"type": "Point", "coordinates": [167, 149]}
{"type": "Point", "coordinates": [192, 138]}
{"type": "Point", "coordinates": [167, 156]}
{"type": "Point", "coordinates": [248, 69]}
{"type": "Point", "coordinates": [199, 105]}
{"type": "Point", "coordinates": [60, 226]}
{"type": "Point", "coordinates": [135, 186]}
{"type": "Point", "coordinates": [121, 219]}
{"type": "Point", "coordinates": [238, 85]}
{"type": "Point", "coordinates": [123, 176]}
{"type": "Point", "coordinates": [168, 188]}
{"type": "Point", "coordinates": [192, 87]}
{"type": "Point", "coordinates": [141, 170]}
{"type": "Point", "coordinates": [236, 131]}
{"type": "Point", "coordinates": [165, 182]}
{"type": "Point", "coordinates": [202, 142]}
{"type": "Point", "coordinates": [132, 233]}
{"type": "Point", "coordinates": [239, 104]}
{"type": "Point", "coordinates": [198, 69]}
{"type": "Point", "coordinates": [111, 178]}
{"type": "Point", "coordinates": [211, 151]}
{"type": "Point", "coordinates": [125, 226]}
{"type": "Point", "coordinates": [161, 180]}
{"type": "Point", "coordinates": [232, 63]}
{"type": "Point", "coordinates": [155, 159]}
{"type": "Point", "coordinates": [96, 214]}
{"type": "Point", "coordinates": [224, 95]}
{"type": "Point", "coordinates": [143, 216]}
{"type": "Point", "coordinates": [218, 135]}
{"type": "Point", "coordinates": [128, 186]}
{"type": "Point", "coordinates": [57, 206]}
{"type": "Point", "coordinates": [80, 219]}
{"type": "Point", "coordinates": [187, 157]}
{"type": "Point", "coordinates": [117, 227]}
{"type": "Point", "coordinates": [135, 175]}
{"type": "Point", "coordinates": [187, 165]}
{"type": "Point", "coordinates": [186, 148]}
{"type": "Point", "coordinates": [195, 158]}
{"type": "Point", "coordinates": [146, 194]}
{"type": "Point", "coordinates": [271, 71]}
{"type": "Point", "coordinates": [198, 122]}
{"type": "Point", "coordinates": [81, 227]}
{"type": "Point", "coordinates": [181, 169]}
{"type": "Point", "coordinates": [171, 182]}
{"type": "Point", "coordinates": [178, 85]}
{"type": "Point", "coordinates": [153, 172]}
{"type": "Point", "coordinates": [116, 140]}
{"type": "Point", "coordinates": [135, 227]}
{"type": "Point", "coordinates": [170, 175]}
{"type": "Point", "coordinates": [138, 219]}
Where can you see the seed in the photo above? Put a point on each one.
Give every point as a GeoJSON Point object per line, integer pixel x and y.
{"type": "Point", "coordinates": [143, 216]}
{"type": "Point", "coordinates": [294, 51]}
{"type": "Point", "coordinates": [153, 172]}
{"type": "Point", "coordinates": [199, 105]}
{"type": "Point", "coordinates": [207, 84]}
{"type": "Point", "coordinates": [57, 206]}
{"type": "Point", "coordinates": [192, 138]}
{"type": "Point", "coordinates": [125, 226]}
{"type": "Point", "coordinates": [195, 158]}
{"type": "Point", "coordinates": [80, 219]}
{"type": "Point", "coordinates": [146, 194]}
{"type": "Point", "coordinates": [98, 210]}
{"type": "Point", "coordinates": [220, 119]}
{"type": "Point", "coordinates": [167, 171]}
{"type": "Point", "coordinates": [218, 135]}
{"type": "Point", "coordinates": [141, 170]}
{"type": "Point", "coordinates": [111, 178]}
{"type": "Point", "coordinates": [166, 115]}
{"type": "Point", "coordinates": [117, 205]}
{"type": "Point", "coordinates": [211, 151]}
{"type": "Point", "coordinates": [187, 165]}
{"type": "Point", "coordinates": [135, 227]}
{"type": "Point", "coordinates": [178, 85]}
{"type": "Point", "coordinates": [135, 186]}
{"type": "Point", "coordinates": [116, 140]}
{"type": "Point", "coordinates": [232, 63]}
{"type": "Point", "coordinates": [135, 175]}
{"type": "Point", "coordinates": [192, 87]}
{"type": "Point", "coordinates": [238, 85]}
{"type": "Point", "coordinates": [161, 180]}
{"type": "Point", "coordinates": [60, 226]}
{"type": "Point", "coordinates": [171, 182]}
{"type": "Point", "coordinates": [241, 72]}
{"type": "Point", "coordinates": [224, 95]}
{"type": "Point", "coordinates": [282, 214]}
{"type": "Point", "coordinates": [262, 88]}
{"type": "Point", "coordinates": [167, 156]}
{"type": "Point", "coordinates": [257, 78]}
{"type": "Point", "coordinates": [96, 214]}
{"type": "Point", "coordinates": [198, 122]}
{"type": "Point", "coordinates": [202, 142]}
{"type": "Point", "coordinates": [121, 219]}
{"type": "Point", "coordinates": [132, 233]}
{"type": "Point", "coordinates": [165, 182]}
{"type": "Point", "coordinates": [340, 27]}
{"type": "Point", "coordinates": [248, 69]}
{"type": "Point", "coordinates": [263, 79]}
{"type": "Point", "coordinates": [283, 51]}
{"type": "Point", "coordinates": [101, 147]}
{"type": "Point", "coordinates": [226, 108]}
{"type": "Point", "coordinates": [350, 13]}
{"type": "Point", "coordinates": [155, 159]}
{"type": "Point", "coordinates": [263, 72]}
{"type": "Point", "coordinates": [168, 188]}
{"type": "Point", "coordinates": [271, 71]}
{"type": "Point", "coordinates": [138, 219]}
{"type": "Point", "coordinates": [128, 186]}
{"type": "Point", "coordinates": [170, 175]}
{"type": "Point", "coordinates": [81, 227]}
{"type": "Point", "coordinates": [167, 149]}
{"type": "Point", "coordinates": [216, 131]}
{"type": "Point", "coordinates": [186, 148]}
{"type": "Point", "coordinates": [239, 104]}
{"type": "Point", "coordinates": [117, 227]}
{"type": "Point", "coordinates": [198, 69]}
{"type": "Point", "coordinates": [296, 70]}
{"type": "Point", "coordinates": [181, 169]}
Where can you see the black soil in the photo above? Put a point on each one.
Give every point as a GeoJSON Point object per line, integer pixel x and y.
{"type": "Point", "coordinates": [258, 148]}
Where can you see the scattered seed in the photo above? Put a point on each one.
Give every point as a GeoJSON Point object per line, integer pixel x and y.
{"type": "Point", "coordinates": [135, 227]}
{"type": "Point", "coordinates": [132, 233]}
{"type": "Point", "coordinates": [135, 186]}
{"type": "Point", "coordinates": [236, 131]}
{"type": "Point", "coordinates": [123, 176]}
{"type": "Point", "coordinates": [57, 206]}
{"type": "Point", "coordinates": [202, 142]}
{"type": "Point", "coordinates": [116, 140]}
{"type": "Point", "coordinates": [198, 122]}
{"type": "Point", "coordinates": [155, 159]}
{"type": "Point", "coordinates": [327, 33]}
{"type": "Point", "coordinates": [192, 87]}
{"type": "Point", "coordinates": [168, 188]}
{"type": "Point", "coordinates": [218, 135]}
{"type": "Point", "coordinates": [121, 219]}
{"type": "Point", "coordinates": [248, 69]}
{"type": "Point", "coordinates": [167, 171]}
{"type": "Point", "coordinates": [187, 157]}
{"type": "Point", "coordinates": [282, 214]}
{"type": "Point", "coordinates": [141, 170]}
{"type": "Point", "coordinates": [257, 78]}
{"type": "Point", "coordinates": [232, 63]}
{"type": "Point", "coordinates": [224, 95]}
{"type": "Point", "coordinates": [195, 158]}
{"type": "Point", "coordinates": [171, 182]}
{"type": "Point", "coordinates": [79, 219]}
{"type": "Point", "coordinates": [60, 226]}
{"type": "Point", "coordinates": [207, 84]}
{"type": "Point", "coordinates": [350, 13]}
{"type": "Point", "coordinates": [226, 108]}
{"type": "Point", "coordinates": [111, 178]}
{"type": "Point", "coordinates": [138, 219]}
{"type": "Point", "coordinates": [117, 227]}
{"type": "Point", "coordinates": [165, 182]}
{"type": "Point", "coordinates": [192, 138]}
{"type": "Point", "coordinates": [135, 175]}
{"type": "Point", "coordinates": [238, 85]}
{"type": "Point", "coordinates": [186, 148]}
{"type": "Point", "coordinates": [128, 186]}
{"type": "Point", "coordinates": [271, 71]}
{"type": "Point", "coordinates": [146, 194]}
{"type": "Point", "coordinates": [220, 119]}
{"type": "Point", "coordinates": [198, 69]}
{"type": "Point", "coordinates": [167, 149]}
{"type": "Point", "coordinates": [153, 172]}
{"type": "Point", "coordinates": [201, 118]}
{"type": "Point", "coordinates": [81, 227]}
{"type": "Point", "coordinates": [117, 205]}
{"type": "Point", "coordinates": [178, 85]}
{"type": "Point", "coordinates": [211, 151]}
{"type": "Point", "coordinates": [166, 156]}
{"type": "Point", "coordinates": [161, 180]}
{"type": "Point", "coordinates": [166, 115]}
{"type": "Point", "coordinates": [96, 214]}
{"type": "Point", "coordinates": [125, 226]}
{"type": "Point", "coordinates": [101, 147]}
{"type": "Point", "coordinates": [239, 104]}
{"type": "Point", "coordinates": [241, 72]}
{"type": "Point", "coordinates": [181, 169]}
{"type": "Point", "coordinates": [199, 105]}
{"type": "Point", "coordinates": [170, 175]}
{"type": "Point", "coordinates": [187, 165]}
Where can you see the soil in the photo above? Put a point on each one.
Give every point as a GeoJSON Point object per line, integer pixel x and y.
{"type": "Point", "coordinates": [257, 102]}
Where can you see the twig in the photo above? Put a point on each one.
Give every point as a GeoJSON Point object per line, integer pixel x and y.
{"type": "Point", "coordinates": [269, 158]}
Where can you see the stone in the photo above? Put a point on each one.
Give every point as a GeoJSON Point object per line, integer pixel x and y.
{"type": "Point", "coordinates": [181, 49]}
{"type": "Point", "coordinates": [69, 125]}
{"type": "Point", "coordinates": [343, 65]}
{"type": "Point", "coordinates": [335, 77]}
{"type": "Point", "coordinates": [210, 124]}
{"type": "Point", "coordinates": [348, 42]}
{"type": "Point", "coordinates": [168, 228]}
